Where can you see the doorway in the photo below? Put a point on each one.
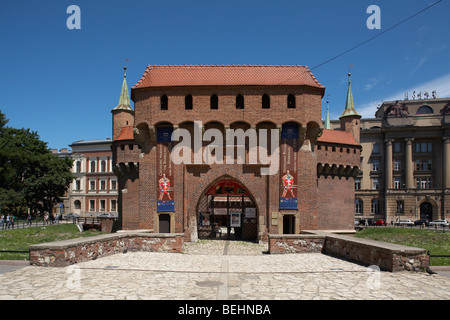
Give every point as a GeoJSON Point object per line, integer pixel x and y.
{"type": "Point", "coordinates": [227, 211]}
{"type": "Point", "coordinates": [426, 211]}
{"type": "Point", "coordinates": [164, 223]}
{"type": "Point", "coordinates": [289, 224]}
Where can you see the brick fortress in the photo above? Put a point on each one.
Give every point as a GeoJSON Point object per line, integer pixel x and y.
{"type": "Point", "coordinates": [312, 188]}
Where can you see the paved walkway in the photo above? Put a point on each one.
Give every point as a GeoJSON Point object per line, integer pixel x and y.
{"type": "Point", "coordinates": [211, 270]}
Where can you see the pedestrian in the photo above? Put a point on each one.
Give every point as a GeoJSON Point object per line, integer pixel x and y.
{"type": "Point", "coordinates": [29, 219]}
{"type": "Point", "coordinates": [45, 217]}
{"type": "Point", "coordinates": [2, 220]}
{"type": "Point", "coordinates": [8, 221]}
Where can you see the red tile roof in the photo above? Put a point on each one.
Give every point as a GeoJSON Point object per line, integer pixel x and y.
{"type": "Point", "coordinates": [338, 137]}
{"type": "Point", "coordinates": [126, 133]}
{"type": "Point", "coordinates": [184, 75]}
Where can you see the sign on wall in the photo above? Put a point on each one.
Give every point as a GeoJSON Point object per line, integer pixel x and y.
{"type": "Point", "coordinates": [164, 167]}
{"type": "Point", "coordinates": [288, 167]}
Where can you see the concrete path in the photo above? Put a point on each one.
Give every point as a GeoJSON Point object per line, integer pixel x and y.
{"type": "Point", "coordinates": [222, 270]}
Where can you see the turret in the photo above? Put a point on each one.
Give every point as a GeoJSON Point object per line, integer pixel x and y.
{"type": "Point", "coordinates": [350, 119]}
{"type": "Point", "coordinates": [122, 114]}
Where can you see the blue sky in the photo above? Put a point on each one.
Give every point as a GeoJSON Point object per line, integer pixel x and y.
{"type": "Point", "coordinates": [63, 83]}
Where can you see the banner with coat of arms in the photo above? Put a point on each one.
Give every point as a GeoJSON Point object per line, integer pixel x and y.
{"type": "Point", "coordinates": [164, 167]}
{"type": "Point", "coordinates": [288, 167]}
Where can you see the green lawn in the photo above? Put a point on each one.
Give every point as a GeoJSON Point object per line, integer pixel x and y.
{"type": "Point", "coordinates": [437, 242]}
{"type": "Point", "coordinates": [21, 239]}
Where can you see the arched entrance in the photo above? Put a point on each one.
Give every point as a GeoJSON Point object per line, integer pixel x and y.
{"type": "Point", "coordinates": [227, 211]}
{"type": "Point", "coordinates": [426, 211]}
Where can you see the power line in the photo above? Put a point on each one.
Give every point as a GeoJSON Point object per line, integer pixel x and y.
{"type": "Point", "coordinates": [376, 36]}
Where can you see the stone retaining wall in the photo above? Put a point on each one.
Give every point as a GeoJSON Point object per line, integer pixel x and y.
{"type": "Point", "coordinates": [387, 256]}
{"type": "Point", "coordinates": [64, 253]}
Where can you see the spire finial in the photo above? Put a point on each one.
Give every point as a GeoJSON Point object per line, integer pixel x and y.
{"type": "Point", "coordinates": [327, 124]}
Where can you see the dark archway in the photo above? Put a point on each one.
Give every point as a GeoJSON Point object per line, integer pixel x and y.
{"type": "Point", "coordinates": [227, 210]}
{"type": "Point", "coordinates": [426, 211]}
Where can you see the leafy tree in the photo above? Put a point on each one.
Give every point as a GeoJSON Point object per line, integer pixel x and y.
{"type": "Point", "coordinates": [30, 175]}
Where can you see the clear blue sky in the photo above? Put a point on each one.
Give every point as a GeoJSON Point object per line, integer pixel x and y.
{"type": "Point", "coordinates": [63, 83]}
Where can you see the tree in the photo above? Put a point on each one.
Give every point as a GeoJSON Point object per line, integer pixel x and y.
{"type": "Point", "coordinates": [30, 175]}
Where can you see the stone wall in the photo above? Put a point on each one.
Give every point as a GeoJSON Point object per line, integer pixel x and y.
{"type": "Point", "coordinates": [387, 256]}
{"type": "Point", "coordinates": [64, 253]}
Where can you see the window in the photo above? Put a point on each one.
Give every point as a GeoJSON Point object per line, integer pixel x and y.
{"type": "Point", "coordinates": [113, 205]}
{"type": "Point", "coordinates": [424, 147]}
{"type": "Point", "coordinates": [375, 206]}
{"type": "Point", "coordinates": [397, 147]}
{"type": "Point", "coordinates": [103, 166]}
{"type": "Point", "coordinates": [397, 183]}
{"type": "Point", "coordinates": [291, 101]}
{"type": "Point", "coordinates": [102, 205]}
{"type": "Point", "coordinates": [78, 166]}
{"type": "Point", "coordinates": [102, 185]}
{"type": "Point", "coordinates": [188, 102]}
{"type": "Point", "coordinates": [425, 110]}
{"type": "Point", "coordinates": [239, 101]}
{"type": "Point", "coordinates": [424, 165]}
{"type": "Point", "coordinates": [91, 205]}
{"type": "Point", "coordinates": [375, 183]}
{"type": "Point", "coordinates": [358, 184]}
{"type": "Point", "coordinates": [400, 206]}
{"type": "Point", "coordinates": [375, 165]}
{"type": "Point", "coordinates": [164, 103]}
{"type": "Point", "coordinates": [77, 204]}
{"type": "Point", "coordinates": [214, 102]}
{"type": "Point", "coordinates": [397, 165]}
{"type": "Point", "coordinates": [358, 206]}
{"type": "Point", "coordinates": [92, 185]}
{"type": "Point", "coordinates": [77, 185]}
{"type": "Point", "coordinates": [424, 183]}
{"type": "Point", "coordinates": [376, 148]}
{"type": "Point", "coordinates": [265, 102]}
{"type": "Point", "coordinates": [92, 166]}
{"type": "Point", "coordinates": [113, 185]}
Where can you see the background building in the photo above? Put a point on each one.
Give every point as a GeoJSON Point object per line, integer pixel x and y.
{"type": "Point", "coordinates": [94, 190]}
{"type": "Point", "coordinates": [405, 161]}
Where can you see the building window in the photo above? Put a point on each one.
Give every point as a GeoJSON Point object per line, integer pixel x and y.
{"type": "Point", "coordinates": [266, 101]}
{"type": "Point", "coordinates": [214, 102]}
{"type": "Point", "coordinates": [397, 165]}
{"type": "Point", "coordinates": [424, 183]}
{"type": "Point", "coordinates": [91, 205]}
{"type": "Point", "coordinates": [422, 147]}
{"type": "Point", "coordinates": [358, 206]}
{"type": "Point", "coordinates": [92, 185]}
{"type": "Point", "coordinates": [78, 167]}
{"type": "Point", "coordinates": [113, 205]}
{"type": "Point", "coordinates": [113, 185]}
{"type": "Point", "coordinates": [400, 206]}
{"type": "Point", "coordinates": [77, 185]}
{"type": "Point", "coordinates": [376, 148]}
{"type": "Point", "coordinates": [425, 110]}
{"type": "Point", "coordinates": [375, 206]}
{"type": "Point", "coordinates": [358, 184]}
{"type": "Point", "coordinates": [92, 166]}
{"type": "Point", "coordinates": [103, 166]}
{"type": "Point", "coordinates": [164, 103]}
{"type": "Point", "coordinates": [102, 205]}
{"type": "Point", "coordinates": [397, 147]}
{"type": "Point", "coordinates": [375, 165]}
{"type": "Point", "coordinates": [375, 183]}
{"type": "Point", "coordinates": [291, 101]}
{"type": "Point", "coordinates": [424, 165]}
{"type": "Point", "coordinates": [397, 183]}
{"type": "Point", "coordinates": [77, 204]}
{"type": "Point", "coordinates": [239, 101]}
{"type": "Point", "coordinates": [102, 185]}
{"type": "Point", "coordinates": [188, 102]}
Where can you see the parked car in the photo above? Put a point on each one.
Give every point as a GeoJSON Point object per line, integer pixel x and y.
{"type": "Point", "coordinates": [404, 222]}
{"type": "Point", "coordinates": [70, 216]}
{"type": "Point", "coordinates": [421, 222]}
{"type": "Point", "coordinates": [381, 222]}
{"type": "Point", "coordinates": [439, 223]}
{"type": "Point", "coordinates": [356, 222]}
{"type": "Point", "coordinates": [106, 215]}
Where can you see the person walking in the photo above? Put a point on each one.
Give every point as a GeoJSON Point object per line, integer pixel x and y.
{"type": "Point", "coordinates": [2, 221]}
{"type": "Point", "coordinates": [8, 221]}
{"type": "Point", "coordinates": [29, 219]}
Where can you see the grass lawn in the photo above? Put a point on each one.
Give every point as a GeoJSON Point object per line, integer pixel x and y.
{"type": "Point", "coordinates": [437, 242]}
{"type": "Point", "coordinates": [21, 239]}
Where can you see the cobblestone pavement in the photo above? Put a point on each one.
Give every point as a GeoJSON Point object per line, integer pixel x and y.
{"type": "Point", "coordinates": [210, 270]}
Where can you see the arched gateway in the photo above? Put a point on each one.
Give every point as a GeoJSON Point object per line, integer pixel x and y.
{"type": "Point", "coordinates": [226, 210]}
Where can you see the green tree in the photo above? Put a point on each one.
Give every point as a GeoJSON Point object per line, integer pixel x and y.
{"type": "Point", "coordinates": [30, 175]}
